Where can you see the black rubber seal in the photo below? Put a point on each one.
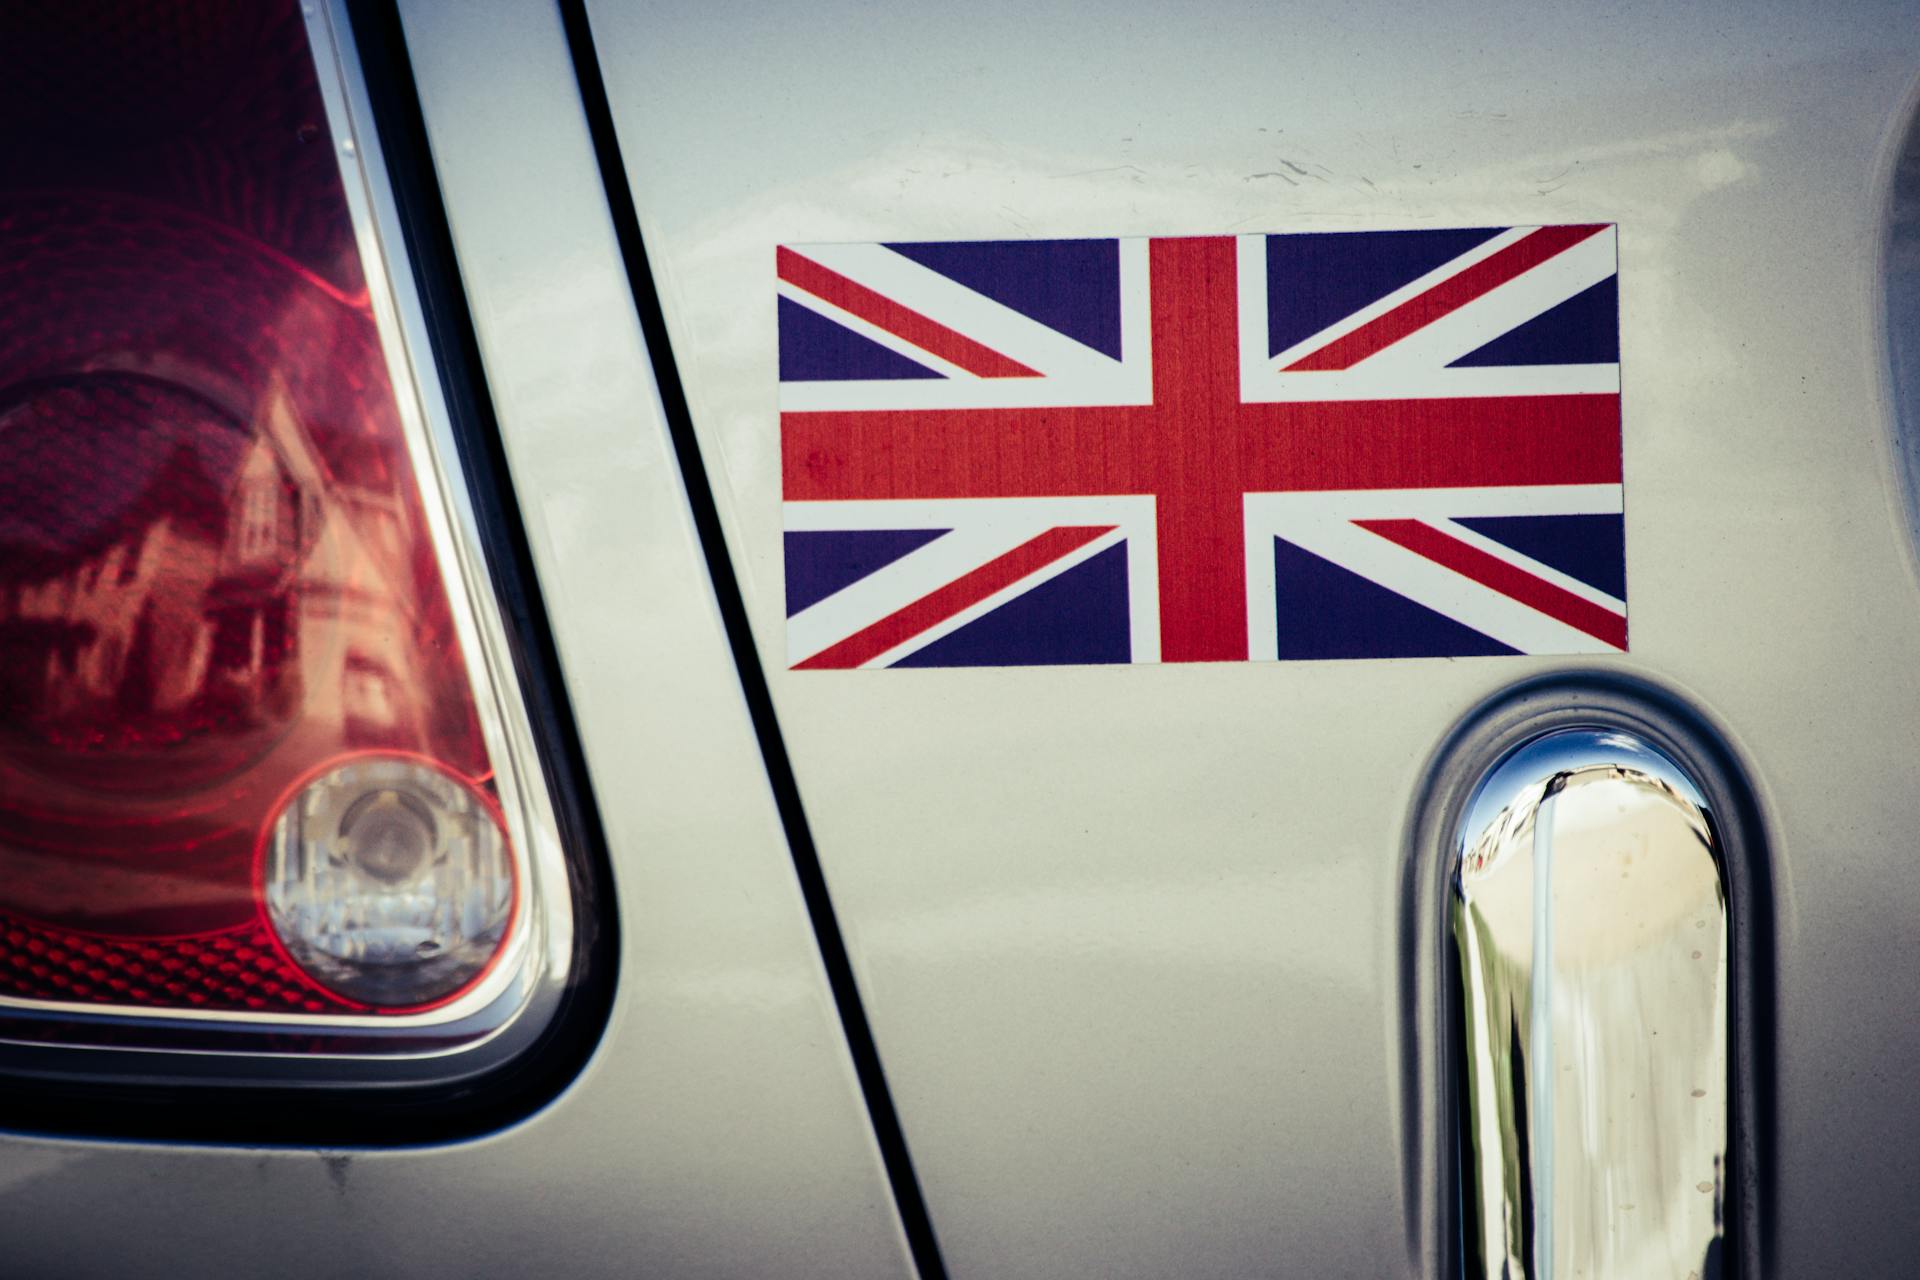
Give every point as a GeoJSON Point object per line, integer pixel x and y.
{"type": "Point", "coordinates": [915, 1220]}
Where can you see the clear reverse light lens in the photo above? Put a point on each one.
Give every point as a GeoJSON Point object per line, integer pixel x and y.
{"type": "Point", "coordinates": [389, 881]}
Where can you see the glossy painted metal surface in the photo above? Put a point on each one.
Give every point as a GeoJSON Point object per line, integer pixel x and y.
{"type": "Point", "coordinates": [718, 1132]}
{"type": "Point", "coordinates": [1127, 936]}
{"type": "Point", "coordinates": [1590, 920]}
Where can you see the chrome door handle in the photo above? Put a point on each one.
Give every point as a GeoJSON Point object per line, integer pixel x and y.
{"type": "Point", "coordinates": [1589, 916]}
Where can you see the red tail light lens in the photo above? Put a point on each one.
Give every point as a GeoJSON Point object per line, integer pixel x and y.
{"type": "Point", "coordinates": [247, 764]}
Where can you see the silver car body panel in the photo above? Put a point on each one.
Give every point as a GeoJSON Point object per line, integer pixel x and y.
{"type": "Point", "coordinates": [1129, 939]}
{"type": "Point", "coordinates": [1128, 936]}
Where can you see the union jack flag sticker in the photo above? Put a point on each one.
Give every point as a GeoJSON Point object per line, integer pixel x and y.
{"type": "Point", "coordinates": [1386, 444]}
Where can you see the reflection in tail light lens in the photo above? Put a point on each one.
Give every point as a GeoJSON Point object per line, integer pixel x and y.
{"type": "Point", "coordinates": [218, 580]}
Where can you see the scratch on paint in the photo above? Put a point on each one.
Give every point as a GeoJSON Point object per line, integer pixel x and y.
{"type": "Point", "coordinates": [1088, 173]}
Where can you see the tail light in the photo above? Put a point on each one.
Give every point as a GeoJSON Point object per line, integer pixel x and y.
{"type": "Point", "coordinates": [264, 783]}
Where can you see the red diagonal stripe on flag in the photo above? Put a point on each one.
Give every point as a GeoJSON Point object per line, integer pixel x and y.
{"type": "Point", "coordinates": [1509, 580]}
{"type": "Point", "coordinates": [1449, 295]}
{"type": "Point", "coordinates": [962, 593]}
{"type": "Point", "coordinates": [929, 335]}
